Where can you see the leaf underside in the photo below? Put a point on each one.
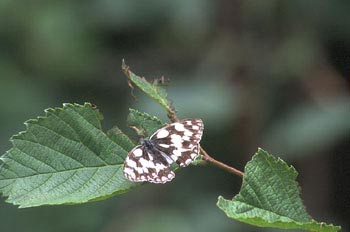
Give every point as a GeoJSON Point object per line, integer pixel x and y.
{"type": "Point", "coordinates": [64, 157]}
{"type": "Point", "coordinates": [270, 197]}
{"type": "Point", "coordinates": [155, 91]}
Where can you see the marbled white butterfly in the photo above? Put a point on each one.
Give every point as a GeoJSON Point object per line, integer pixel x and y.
{"type": "Point", "coordinates": [177, 142]}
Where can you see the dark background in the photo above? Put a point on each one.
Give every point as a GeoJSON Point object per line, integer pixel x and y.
{"type": "Point", "coordinates": [270, 74]}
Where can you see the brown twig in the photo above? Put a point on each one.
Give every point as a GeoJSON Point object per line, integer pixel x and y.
{"type": "Point", "coordinates": [213, 161]}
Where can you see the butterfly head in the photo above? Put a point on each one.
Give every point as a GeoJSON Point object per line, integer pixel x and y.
{"type": "Point", "coordinates": [147, 143]}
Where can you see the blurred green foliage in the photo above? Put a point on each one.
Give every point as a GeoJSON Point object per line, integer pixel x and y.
{"type": "Point", "coordinates": [273, 74]}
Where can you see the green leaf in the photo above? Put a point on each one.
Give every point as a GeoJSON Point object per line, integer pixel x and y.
{"type": "Point", "coordinates": [145, 123]}
{"type": "Point", "coordinates": [120, 138]}
{"type": "Point", "coordinates": [64, 157]}
{"type": "Point", "coordinates": [270, 197]}
{"type": "Point", "coordinates": [153, 90]}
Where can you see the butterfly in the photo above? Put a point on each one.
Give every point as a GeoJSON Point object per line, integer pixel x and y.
{"type": "Point", "coordinates": [176, 142]}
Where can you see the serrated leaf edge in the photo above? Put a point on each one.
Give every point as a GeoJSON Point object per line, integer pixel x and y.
{"type": "Point", "coordinates": [298, 223]}
{"type": "Point", "coordinates": [155, 95]}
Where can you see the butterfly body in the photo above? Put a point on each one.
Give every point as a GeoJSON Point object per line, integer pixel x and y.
{"type": "Point", "coordinates": [177, 142]}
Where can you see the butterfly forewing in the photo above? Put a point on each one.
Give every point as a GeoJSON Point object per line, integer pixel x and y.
{"type": "Point", "coordinates": [180, 140]}
{"type": "Point", "coordinates": [177, 142]}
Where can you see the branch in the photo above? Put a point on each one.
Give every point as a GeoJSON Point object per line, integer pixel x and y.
{"type": "Point", "coordinates": [213, 161]}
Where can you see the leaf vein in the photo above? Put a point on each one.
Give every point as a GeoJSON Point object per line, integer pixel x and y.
{"type": "Point", "coordinates": [85, 183]}
{"type": "Point", "coordinates": [69, 140]}
{"type": "Point", "coordinates": [62, 171]}
{"type": "Point", "coordinates": [36, 187]}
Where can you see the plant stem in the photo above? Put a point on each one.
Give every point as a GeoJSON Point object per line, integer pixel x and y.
{"type": "Point", "coordinates": [172, 117]}
{"type": "Point", "coordinates": [219, 164]}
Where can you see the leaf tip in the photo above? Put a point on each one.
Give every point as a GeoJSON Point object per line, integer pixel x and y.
{"type": "Point", "coordinates": [125, 68]}
{"type": "Point", "coordinates": [262, 152]}
{"type": "Point", "coordinates": [49, 110]}
{"type": "Point", "coordinates": [66, 104]}
{"type": "Point", "coordinates": [30, 121]}
{"type": "Point", "coordinates": [219, 199]}
{"type": "Point", "coordinates": [88, 104]}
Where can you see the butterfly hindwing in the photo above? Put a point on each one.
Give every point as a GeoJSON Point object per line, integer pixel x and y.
{"type": "Point", "coordinates": [141, 165]}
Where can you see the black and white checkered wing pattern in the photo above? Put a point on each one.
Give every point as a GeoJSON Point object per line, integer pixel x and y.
{"type": "Point", "coordinates": [180, 140]}
{"type": "Point", "coordinates": [142, 165]}
{"type": "Point", "coordinates": [177, 142]}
